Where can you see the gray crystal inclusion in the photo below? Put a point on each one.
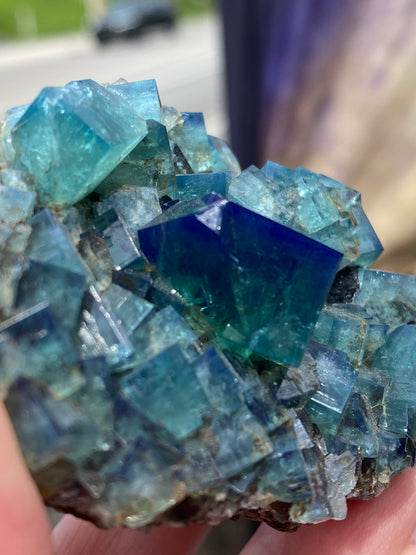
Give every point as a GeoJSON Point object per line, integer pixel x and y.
{"type": "Point", "coordinates": [184, 342]}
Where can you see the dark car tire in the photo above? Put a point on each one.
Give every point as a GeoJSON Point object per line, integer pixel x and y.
{"type": "Point", "coordinates": [103, 39]}
{"type": "Point", "coordinates": [134, 33]}
{"type": "Point", "coordinates": [169, 24]}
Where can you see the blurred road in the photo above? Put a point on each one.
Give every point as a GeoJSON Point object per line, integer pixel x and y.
{"type": "Point", "coordinates": [186, 62]}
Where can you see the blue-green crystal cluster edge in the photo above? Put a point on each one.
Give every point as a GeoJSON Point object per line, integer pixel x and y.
{"type": "Point", "coordinates": [182, 341]}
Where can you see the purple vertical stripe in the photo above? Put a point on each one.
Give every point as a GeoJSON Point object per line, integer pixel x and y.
{"type": "Point", "coordinates": [267, 44]}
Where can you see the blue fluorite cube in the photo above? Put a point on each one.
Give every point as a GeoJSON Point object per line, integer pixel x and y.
{"type": "Point", "coordinates": [258, 277]}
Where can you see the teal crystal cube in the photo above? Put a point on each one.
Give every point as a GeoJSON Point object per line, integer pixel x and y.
{"type": "Point", "coordinates": [143, 96]}
{"type": "Point", "coordinates": [71, 137]}
{"type": "Point", "coordinates": [313, 204]}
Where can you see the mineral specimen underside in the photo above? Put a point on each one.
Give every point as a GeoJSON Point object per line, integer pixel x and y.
{"type": "Point", "coordinates": [181, 341]}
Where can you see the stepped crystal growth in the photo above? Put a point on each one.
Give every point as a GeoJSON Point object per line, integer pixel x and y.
{"type": "Point", "coordinates": [181, 341]}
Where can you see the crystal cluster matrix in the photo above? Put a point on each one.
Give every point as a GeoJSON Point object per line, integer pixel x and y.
{"type": "Point", "coordinates": [184, 342]}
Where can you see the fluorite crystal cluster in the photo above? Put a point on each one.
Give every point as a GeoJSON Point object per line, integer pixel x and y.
{"type": "Point", "coordinates": [181, 341]}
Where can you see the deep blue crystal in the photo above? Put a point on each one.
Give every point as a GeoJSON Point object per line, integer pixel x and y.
{"type": "Point", "coordinates": [241, 252]}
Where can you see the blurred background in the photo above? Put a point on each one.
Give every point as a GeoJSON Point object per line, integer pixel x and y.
{"type": "Point", "coordinates": [51, 42]}
{"type": "Point", "coordinates": [329, 85]}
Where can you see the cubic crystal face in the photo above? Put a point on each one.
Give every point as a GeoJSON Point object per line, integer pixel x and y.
{"type": "Point", "coordinates": [181, 341]}
{"type": "Point", "coordinates": [241, 254]}
{"type": "Point", "coordinates": [313, 204]}
{"type": "Point", "coordinates": [70, 138]}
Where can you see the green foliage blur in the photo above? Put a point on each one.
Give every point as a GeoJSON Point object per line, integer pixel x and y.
{"type": "Point", "coordinates": [24, 18]}
{"type": "Point", "coordinates": [29, 18]}
{"type": "Point", "coordinates": [194, 7]}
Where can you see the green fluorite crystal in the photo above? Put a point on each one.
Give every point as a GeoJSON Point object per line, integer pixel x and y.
{"type": "Point", "coordinates": [71, 137]}
{"type": "Point", "coordinates": [181, 341]}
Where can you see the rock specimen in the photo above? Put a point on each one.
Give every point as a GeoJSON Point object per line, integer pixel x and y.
{"type": "Point", "coordinates": [184, 342]}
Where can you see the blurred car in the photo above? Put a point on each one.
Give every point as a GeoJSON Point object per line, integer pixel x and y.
{"type": "Point", "coordinates": [130, 18]}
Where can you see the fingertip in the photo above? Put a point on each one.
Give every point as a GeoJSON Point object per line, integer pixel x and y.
{"type": "Point", "coordinates": [382, 525]}
{"type": "Point", "coordinates": [24, 526]}
{"type": "Point", "coordinates": [410, 549]}
{"type": "Point", "coordinates": [73, 536]}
